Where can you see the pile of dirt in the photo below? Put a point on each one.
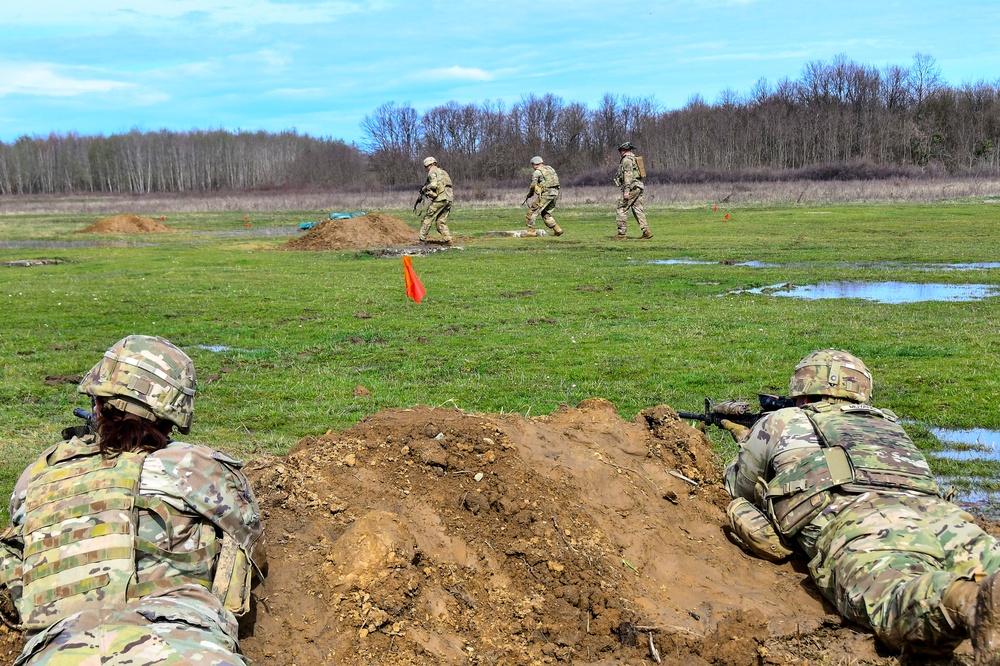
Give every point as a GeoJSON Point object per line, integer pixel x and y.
{"type": "Point", "coordinates": [126, 224]}
{"type": "Point", "coordinates": [363, 231]}
{"type": "Point", "coordinates": [435, 536]}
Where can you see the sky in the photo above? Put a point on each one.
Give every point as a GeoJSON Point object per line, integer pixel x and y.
{"type": "Point", "coordinates": [318, 67]}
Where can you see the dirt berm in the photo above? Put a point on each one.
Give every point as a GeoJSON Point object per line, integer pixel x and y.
{"type": "Point", "coordinates": [435, 536]}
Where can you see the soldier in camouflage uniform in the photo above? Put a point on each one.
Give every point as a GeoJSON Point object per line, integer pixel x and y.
{"type": "Point", "coordinates": [124, 544]}
{"type": "Point", "coordinates": [841, 482]}
{"type": "Point", "coordinates": [545, 184]}
{"type": "Point", "coordinates": [629, 179]}
{"type": "Point", "coordinates": [437, 188]}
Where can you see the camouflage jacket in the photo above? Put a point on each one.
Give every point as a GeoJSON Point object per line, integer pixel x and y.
{"type": "Point", "coordinates": [544, 180]}
{"type": "Point", "coordinates": [438, 185]}
{"type": "Point", "coordinates": [187, 495]}
{"type": "Point", "coordinates": [627, 177]}
{"type": "Point", "coordinates": [801, 465]}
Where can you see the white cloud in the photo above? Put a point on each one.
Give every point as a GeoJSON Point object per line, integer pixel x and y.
{"type": "Point", "coordinates": [113, 14]}
{"type": "Point", "coordinates": [456, 73]}
{"type": "Point", "coordinates": [43, 80]}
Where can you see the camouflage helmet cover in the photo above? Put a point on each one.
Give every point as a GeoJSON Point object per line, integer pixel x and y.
{"type": "Point", "coordinates": [147, 376]}
{"type": "Point", "coordinates": [626, 146]}
{"type": "Point", "coordinates": [536, 160]}
{"type": "Point", "coordinates": [429, 161]}
{"type": "Point", "coordinates": [832, 373]}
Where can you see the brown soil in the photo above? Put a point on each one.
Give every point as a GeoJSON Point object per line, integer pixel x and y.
{"type": "Point", "coordinates": [363, 231]}
{"type": "Point", "coordinates": [126, 224]}
{"type": "Point", "coordinates": [434, 536]}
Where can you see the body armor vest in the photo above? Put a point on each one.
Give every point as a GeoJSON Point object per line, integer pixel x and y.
{"type": "Point", "coordinates": [83, 547]}
{"type": "Point", "coordinates": [630, 163]}
{"type": "Point", "coordinates": [860, 448]}
{"type": "Point", "coordinates": [79, 532]}
{"type": "Point", "coordinates": [548, 180]}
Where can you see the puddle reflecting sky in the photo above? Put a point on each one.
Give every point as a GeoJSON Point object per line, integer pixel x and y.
{"type": "Point", "coordinates": [213, 348]}
{"type": "Point", "coordinates": [927, 268]}
{"type": "Point", "coordinates": [881, 292]}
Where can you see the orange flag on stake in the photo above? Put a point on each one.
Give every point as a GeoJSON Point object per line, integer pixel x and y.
{"type": "Point", "coordinates": [414, 289]}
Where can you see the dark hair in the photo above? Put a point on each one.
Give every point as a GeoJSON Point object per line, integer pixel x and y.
{"type": "Point", "coordinates": [119, 431]}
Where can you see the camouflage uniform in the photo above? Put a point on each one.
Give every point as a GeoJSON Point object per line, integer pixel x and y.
{"type": "Point", "coordinates": [544, 183]}
{"type": "Point", "coordinates": [629, 180]}
{"type": "Point", "coordinates": [138, 557]}
{"type": "Point", "coordinates": [885, 549]}
{"type": "Point", "coordinates": [438, 189]}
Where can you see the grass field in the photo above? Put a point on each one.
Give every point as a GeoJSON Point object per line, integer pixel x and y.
{"type": "Point", "coordinates": [512, 325]}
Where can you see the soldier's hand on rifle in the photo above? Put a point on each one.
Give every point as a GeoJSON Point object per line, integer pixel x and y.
{"type": "Point", "coordinates": [739, 432]}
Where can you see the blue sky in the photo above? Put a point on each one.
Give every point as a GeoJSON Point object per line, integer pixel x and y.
{"type": "Point", "coordinates": [318, 67]}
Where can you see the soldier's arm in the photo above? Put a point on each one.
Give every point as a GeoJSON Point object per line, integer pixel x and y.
{"type": "Point", "coordinates": [750, 464]}
{"type": "Point", "coordinates": [213, 485]}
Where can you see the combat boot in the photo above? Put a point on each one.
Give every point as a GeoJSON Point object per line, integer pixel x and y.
{"type": "Point", "coordinates": [647, 234]}
{"type": "Point", "coordinates": [619, 237]}
{"type": "Point", "coordinates": [531, 233]}
{"type": "Point", "coordinates": [557, 230]}
{"type": "Point", "coordinates": [986, 628]}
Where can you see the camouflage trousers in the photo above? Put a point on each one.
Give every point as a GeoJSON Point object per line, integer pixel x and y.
{"type": "Point", "coordinates": [633, 204]}
{"type": "Point", "coordinates": [437, 214]}
{"type": "Point", "coordinates": [886, 560]}
{"type": "Point", "coordinates": [157, 630]}
{"type": "Point", "coordinates": [542, 205]}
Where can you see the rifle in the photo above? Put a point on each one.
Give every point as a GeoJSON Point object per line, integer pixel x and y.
{"type": "Point", "coordinates": [88, 427]}
{"type": "Point", "coordinates": [420, 197]}
{"type": "Point", "coordinates": [738, 411]}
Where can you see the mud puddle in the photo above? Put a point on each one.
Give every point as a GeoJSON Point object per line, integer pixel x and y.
{"type": "Point", "coordinates": [27, 263]}
{"type": "Point", "coordinates": [977, 443]}
{"type": "Point", "coordinates": [518, 233]}
{"type": "Point", "coordinates": [975, 449]}
{"type": "Point", "coordinates": [880, 292]}
{"type": "Point", "coordinates": [397, 252]}
{"type": "Point", "coordinates": [254, 231]}
{"type": "Point", "coordinates": [66, 245]}
{"type": "Point", "coordinates": [927, 268]}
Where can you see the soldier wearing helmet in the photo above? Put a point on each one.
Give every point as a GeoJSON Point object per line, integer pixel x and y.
{"type": "Point", "coordinates": [544, 184]}
{"type": "Point", "coordinates": [124, 542]}
{"type": "Point", "coordinates": [840, 482]}
{"type": "Point", "coordinates": [629, 178]}
{"type": "Point", "coordinates": [437, 190]}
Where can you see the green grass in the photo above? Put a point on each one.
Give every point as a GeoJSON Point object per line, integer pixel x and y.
{"type": "Point", "coordinates": [512, 325]}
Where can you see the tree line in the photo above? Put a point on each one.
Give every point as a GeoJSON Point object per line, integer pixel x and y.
{"type": "Point", "coordinates": [838, 119]}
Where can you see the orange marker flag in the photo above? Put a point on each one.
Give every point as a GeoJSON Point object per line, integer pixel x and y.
{"type": "Point", "coordinates": [414, 289]}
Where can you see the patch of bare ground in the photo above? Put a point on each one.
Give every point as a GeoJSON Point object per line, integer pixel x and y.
{"type": "Point", "coordinates": [438, 536]}
{"type": "Point", "coordinates": [126, 224]}
{"type": "Point", "coordinates": [810, 192]}
{"type": "Point", "coordinates": [363, 231]}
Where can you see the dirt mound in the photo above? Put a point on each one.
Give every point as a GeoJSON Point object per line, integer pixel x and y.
{"type": "Point", "coordinates": [434, 536]}
{"type": "Point", "coordinates": [126, 224]}
{"type": "Point", "coordinates": [363, 231]}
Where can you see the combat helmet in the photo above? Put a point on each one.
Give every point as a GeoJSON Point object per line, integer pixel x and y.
{"type": "Point", "coordinates": [626, 146]}
{"type": "Point", "coordinates": [536, 160]}
{"type": "Point", "coordinates": [146, 376]}
{"type": "Point", "coordinates": [429, 161]}
{"type": "Point", "coordinates": [832, 373]}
